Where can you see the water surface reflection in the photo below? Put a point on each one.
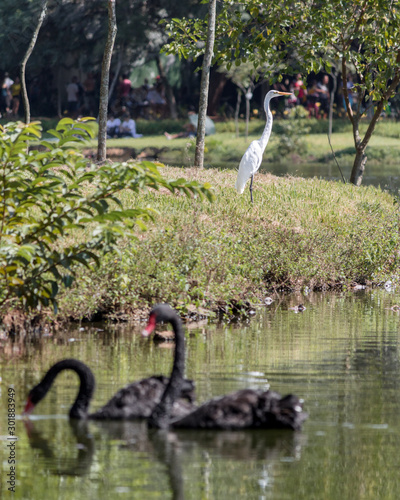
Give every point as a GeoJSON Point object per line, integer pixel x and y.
{"type": "Point", "coordinates": [341, 355]}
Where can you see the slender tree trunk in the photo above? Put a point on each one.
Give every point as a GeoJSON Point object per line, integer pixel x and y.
{"type": "Point", "coordinates": [331, 102]}
{"type": "Point", "coordinates": [237, 111]}
{"type": "Point", "coordinates": [248, 96]}
{"type": "Point", "coordinates": [105, 76]}
{"type": "Point", "coordinates": [24, 93]}
{"type": "Point", "coordinates": [205, 78]}
{"type": "Point", "coordinates": [357, 171]}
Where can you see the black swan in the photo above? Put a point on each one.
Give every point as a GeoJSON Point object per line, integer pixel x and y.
{"type": "Point", "coordinates": [136, 400]}
{"type": "Point", "coordinates": [243, 409]}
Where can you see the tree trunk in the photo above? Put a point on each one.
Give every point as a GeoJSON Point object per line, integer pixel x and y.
{"type": "Point", "coordinates": [360, 160]}
{"type": "Point", "coordinates": [331, 102]}
{"type": "Point", "coordinates": [104, 84]}
{"type": "Point", "coordinates": [205, 78]}
{"type": "Point", "coordinates": [357, 171]}
{"type": "Point", "coordinates": [247, 95]}
{"type": "Point", "coordinates": [24, 93]}
{"type": "Point", "coordinates": [237, 110]}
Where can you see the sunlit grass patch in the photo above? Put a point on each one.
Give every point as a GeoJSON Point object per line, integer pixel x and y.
{"type": "Point", "coordinates": [299, 233]}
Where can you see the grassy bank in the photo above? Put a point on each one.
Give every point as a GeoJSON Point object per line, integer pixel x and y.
{"type": "Point", "coordinates": [298, 234]}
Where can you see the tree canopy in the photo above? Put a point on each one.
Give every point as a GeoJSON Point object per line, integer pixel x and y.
{"type": "Point", "coordinates": [79, 28]}
{"type": "Point", "coordinates": [362, 36]}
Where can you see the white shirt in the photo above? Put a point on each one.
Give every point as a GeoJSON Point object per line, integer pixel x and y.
{"type": "Point", "coordinates": [115, 122]}
{"type": "Point", "coordinates": [72, 92]}
{"type": "Point", "coordinates": [8, 82]}
{"type": "Point", "coordinates": [129, 126]}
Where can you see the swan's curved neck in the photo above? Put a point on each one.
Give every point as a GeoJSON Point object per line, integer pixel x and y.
{"type": "Point", "coordinates": [160, 416]}
{"type": "Point", "coordinates": [268, 126]}
{"type": "Point", "coordinates": [86, 388]}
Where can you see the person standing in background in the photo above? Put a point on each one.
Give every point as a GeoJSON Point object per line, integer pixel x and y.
{"type": "Point", "coordinates": [300, 90]}
{"type": "Point", "coordinates": [324, 96]}
{"type": "Point", "coordinates": [72, 97]}
{"type": "Point", "coordinates": [16, 96]}
{"type": "Point", "coordinates": [6, 96]}
{"type": "Point", "coordinates": [125, 87]}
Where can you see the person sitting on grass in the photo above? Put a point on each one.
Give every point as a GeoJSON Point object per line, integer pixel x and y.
{"type": "Point", "coordinates": [189, 130]}
{"type": "Point", "coordinates": [128, 127]}
{"type": "Point", "coordinates": [113, 125]}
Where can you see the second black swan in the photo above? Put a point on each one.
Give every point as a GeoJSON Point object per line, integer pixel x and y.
{"type": "Point", "coordinates": [243, 409]}
{"type": "Point", "coordinates": [136, 400]}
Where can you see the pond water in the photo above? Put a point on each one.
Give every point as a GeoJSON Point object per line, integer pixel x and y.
{"type": "Point", "coordinates": [378, 174]}
{"type": "Point", "coordinates": [341, 355]}
{"type": "Point", "coordinates": [387, 176]}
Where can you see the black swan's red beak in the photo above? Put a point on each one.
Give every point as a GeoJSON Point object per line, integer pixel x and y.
{"type": "Point", "coordinates": [150, 326]}
{"type": "Point", "coordinates": [29, 407]}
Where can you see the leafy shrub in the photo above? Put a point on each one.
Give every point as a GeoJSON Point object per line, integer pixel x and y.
{"type": "Point", "coordinates": [57, 210]}
{"type": "Point", "coordinates": [290, 138]}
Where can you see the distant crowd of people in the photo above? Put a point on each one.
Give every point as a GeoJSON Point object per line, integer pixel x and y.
{"type": "Point", "coordinates": [314, 97]}
{"type": "Point", "coordinates": [81, 97]}
{"type": "Point", "coordinates": [127, 102]}
{"type": "Point", "coordinates": [148, 101]}
{"type": "Point", "coordinates": [121, 127]}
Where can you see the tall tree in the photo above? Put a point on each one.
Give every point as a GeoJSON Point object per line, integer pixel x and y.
{"type": "Point", "coordinates": [204, 84]}
{"type": "Point", "coordinates": [105, 75]}
{"type": "Point", "coordinates": [25, 99]}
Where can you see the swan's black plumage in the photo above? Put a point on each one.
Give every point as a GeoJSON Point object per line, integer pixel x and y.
{"type": "Point", "coordinates": [243, 409]}
{"type": "Point", "coordinates": [247, 408]}
{"type": "Point", "coordinates": [161, 415]}
{"type": "Point", "coordinates": [136, 400]}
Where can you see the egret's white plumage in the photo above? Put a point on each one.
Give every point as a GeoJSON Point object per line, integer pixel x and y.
{"type": "Point", "coordinates": [251, 160]}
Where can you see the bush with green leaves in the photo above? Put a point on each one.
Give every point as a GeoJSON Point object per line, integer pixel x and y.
{"type": "Point", "coordinates": [290, 134]}
{"type": "Point", "coordinates": [58, 210]}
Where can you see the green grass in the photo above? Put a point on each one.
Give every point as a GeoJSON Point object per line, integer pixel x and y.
{"type": "Point", "coordinates": [298, 234]}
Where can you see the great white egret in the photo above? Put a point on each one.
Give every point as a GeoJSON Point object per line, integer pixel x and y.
{"type": "Point", "coordinates": [251, 160]}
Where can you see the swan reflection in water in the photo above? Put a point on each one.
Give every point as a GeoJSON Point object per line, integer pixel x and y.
{"type": "Point", "coordinates": [88, 449]}
{"type": "Point", "coordinates": [79, 460]}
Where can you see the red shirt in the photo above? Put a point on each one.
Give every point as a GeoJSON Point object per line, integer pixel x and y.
{"type": "Point", "coordinates": [125, 87]}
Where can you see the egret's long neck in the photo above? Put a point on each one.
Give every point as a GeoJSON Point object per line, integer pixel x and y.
{"type": "Point", "coordinates": [268, 126]}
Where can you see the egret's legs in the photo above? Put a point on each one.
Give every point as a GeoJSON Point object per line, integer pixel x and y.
{"type": "Point", "coordinates": [251, 189]}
